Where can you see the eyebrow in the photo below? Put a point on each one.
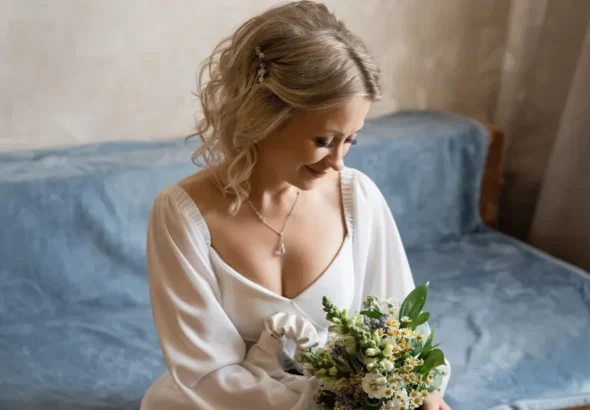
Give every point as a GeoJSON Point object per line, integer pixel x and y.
{"type": "Point", "coordinates": [339, 133]}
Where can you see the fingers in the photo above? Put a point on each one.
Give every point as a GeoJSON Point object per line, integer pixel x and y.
{"type": "Point", "coordinates": [430, 405]}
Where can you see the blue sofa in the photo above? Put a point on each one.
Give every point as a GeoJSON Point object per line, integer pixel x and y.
{"type": "Point", "coordinates": [76, 330]}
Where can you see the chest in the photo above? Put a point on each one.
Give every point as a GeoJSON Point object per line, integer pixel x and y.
{"type": "Point", "coordinates": [313, 238]}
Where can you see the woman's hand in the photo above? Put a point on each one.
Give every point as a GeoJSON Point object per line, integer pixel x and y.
{"type": "Point", "coordinates": [435, 402]}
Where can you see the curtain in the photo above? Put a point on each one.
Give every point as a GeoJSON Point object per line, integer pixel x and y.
{"type": "Point", "coordinates": [544, 107]}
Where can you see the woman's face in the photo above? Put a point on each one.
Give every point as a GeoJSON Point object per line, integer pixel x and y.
{"type": "Point", "coordinates": [313, 144]}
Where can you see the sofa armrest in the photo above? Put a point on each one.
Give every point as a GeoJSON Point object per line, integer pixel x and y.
{"type": "Point", "coordinates": [492, 177]}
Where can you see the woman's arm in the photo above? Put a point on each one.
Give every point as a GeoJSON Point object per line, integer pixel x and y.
{"type": "Point", "coordinates": [387, 271]}
{"type": "Point", "coordinates": [203, 350]}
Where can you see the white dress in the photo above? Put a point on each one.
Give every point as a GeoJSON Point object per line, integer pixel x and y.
{"type": "Point", "coordinates": [208, 316]}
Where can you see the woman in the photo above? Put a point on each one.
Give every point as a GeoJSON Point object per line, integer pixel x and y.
{"type": "Point", "coordinates": [241, 253]}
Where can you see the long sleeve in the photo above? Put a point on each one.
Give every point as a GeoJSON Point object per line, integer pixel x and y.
{"type": "Point", "coordinates": [385, 266]}
{"type": "Point", "coordinates": [204, 353]}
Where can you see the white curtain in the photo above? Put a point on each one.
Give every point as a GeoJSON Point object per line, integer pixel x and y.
{"type": "Point", "coordinates": [544, 107]}
{"type": "Point", "coordinates": [561, 224]}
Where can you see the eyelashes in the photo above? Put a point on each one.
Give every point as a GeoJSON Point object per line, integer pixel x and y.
{"type": "Point", "coordinates": [326, 144]}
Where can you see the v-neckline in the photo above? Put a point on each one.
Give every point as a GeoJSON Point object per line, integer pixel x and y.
{"type": "Point", "coordinates": [250, 283]}
{"type": "Point", "coordinates": [345, 185]}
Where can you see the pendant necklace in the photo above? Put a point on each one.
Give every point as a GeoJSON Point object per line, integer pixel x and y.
{"type": "Point", "coordinates": [281, 248]}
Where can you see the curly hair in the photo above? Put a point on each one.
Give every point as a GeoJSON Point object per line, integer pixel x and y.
{"type": "Point", "coordinates": [311, 62]}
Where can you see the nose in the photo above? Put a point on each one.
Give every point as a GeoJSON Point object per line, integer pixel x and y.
{"type": "Point", "coordinates": [336, 158]}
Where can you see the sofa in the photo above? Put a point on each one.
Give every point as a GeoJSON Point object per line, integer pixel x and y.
{"type": "Point", "coordinates": [76, 330]}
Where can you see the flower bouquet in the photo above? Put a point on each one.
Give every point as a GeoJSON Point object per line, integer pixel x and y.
{"type": "Point", "coordinates": [379, 358]}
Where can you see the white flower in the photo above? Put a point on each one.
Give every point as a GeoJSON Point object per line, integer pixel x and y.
{"type": "Point", "coordinates": [387, 365]}
{"type": "Point", "coordinates": [390, 405]}
{"type": "Point", "coordinates": [376, 386]}
{"type": "Point", "coordinates": [400, 400]}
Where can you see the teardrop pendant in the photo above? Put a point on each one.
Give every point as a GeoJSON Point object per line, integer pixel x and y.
{"type": "Point", "coordinates": [281, 250]}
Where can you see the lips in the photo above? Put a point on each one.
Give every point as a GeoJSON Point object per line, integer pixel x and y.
{"type": "Point", "coordinates": [314, 173]}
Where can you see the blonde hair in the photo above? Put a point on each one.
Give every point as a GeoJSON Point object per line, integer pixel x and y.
{"type": "Point", "coordinates": [311, 62]}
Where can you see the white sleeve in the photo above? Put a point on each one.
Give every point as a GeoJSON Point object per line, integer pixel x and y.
{"type": "Point", "coordinates": [203, 350]}
{"type": "Point", "coordinates": [388, 273]}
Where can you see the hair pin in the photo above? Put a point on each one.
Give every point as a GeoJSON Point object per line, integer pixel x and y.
{"type": "Point", "coordinates": [261, 70]}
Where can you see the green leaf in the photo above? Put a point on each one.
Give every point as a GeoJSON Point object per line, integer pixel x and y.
{"type": "Point", "coordinates": [418, 321]}
{"type": "Point", "coordinates": [438, 378]}
{"type": "Point", "coordinates": [433, 359]}
{"type": "Point", "coordinates": [375, 314]}
{"type": "Point", "coordinates": [342, 365]}
{"type": "Point", "coordinates": [428, 345]}
{"type": "Point", "coordinates": [414, 303]}
{"type": "Point", "coordinates": [422, 318]}
{"type": "Point", "coordinates": [354, 363]}
{"type": "Point", "coordinates": [416, 347]}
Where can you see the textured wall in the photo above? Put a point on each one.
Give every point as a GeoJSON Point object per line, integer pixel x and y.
{"type": "Point", "coordinates": [78, 71]}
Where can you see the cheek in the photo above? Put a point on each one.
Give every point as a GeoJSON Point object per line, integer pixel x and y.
{"type": "Point", "coordinates": [306, 154]}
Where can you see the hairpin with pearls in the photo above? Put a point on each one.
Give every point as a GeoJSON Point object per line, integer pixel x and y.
{"type": "Point", "coordinates": [262, 69]}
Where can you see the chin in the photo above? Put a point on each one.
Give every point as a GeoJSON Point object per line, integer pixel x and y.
{"type": "Point", "coordinates": [306, 181]}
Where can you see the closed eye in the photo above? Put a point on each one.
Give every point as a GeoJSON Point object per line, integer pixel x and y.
{"type": "Point", "coordinates": [322, 143]}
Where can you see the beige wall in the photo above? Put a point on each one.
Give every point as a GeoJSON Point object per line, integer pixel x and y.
{"type": "Point", "coordinates": [78, 71]}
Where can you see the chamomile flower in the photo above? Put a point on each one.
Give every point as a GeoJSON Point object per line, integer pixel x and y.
{"type": "Point", "coordinates": [376, 386]}
{"type": "Point", "coordinates": [407, 333]}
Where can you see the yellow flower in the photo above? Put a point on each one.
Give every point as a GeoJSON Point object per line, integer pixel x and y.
{"type": "Point", "coordinates": [392, 311]}
{"type": "Point", "coordinates": [424, 393]}
{"type": "Point", "coordinates": [390, 332]}
{"type": "Point", "coordinates": [390, 359]}
{"type": "Point", "coordinates": [406, 319]}
{"type": "Point", "coordinates": [420, 336]}
{"type": "Point", "coordinates": [380, 332]}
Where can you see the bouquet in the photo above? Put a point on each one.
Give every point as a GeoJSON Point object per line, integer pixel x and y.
{"type": "Point", "coordinates": [379, 358]}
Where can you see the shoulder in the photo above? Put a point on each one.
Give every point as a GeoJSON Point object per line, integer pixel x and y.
{"type": "Point", "coordinates": [196, 191]}
{"type": "Point", "coordinates": [183, 203]}
{"type": "Point", "coordinates": [363, 186]}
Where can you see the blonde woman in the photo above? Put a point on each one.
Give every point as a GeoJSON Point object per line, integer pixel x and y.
{"type": "Point", "coordinates": [241, 253]}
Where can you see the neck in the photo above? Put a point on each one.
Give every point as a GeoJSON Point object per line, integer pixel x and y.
{"type": "Point", "coordinates": [267, 187]}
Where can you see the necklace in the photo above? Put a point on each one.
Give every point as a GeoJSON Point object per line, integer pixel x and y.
{"type": "Point", "coordinates": [281, 249]}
